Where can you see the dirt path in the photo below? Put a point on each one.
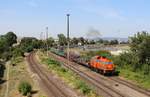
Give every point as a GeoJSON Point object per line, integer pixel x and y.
{"type": "Point", "coordinates": [7, 78]}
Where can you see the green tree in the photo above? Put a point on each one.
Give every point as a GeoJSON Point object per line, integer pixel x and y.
{"type": "Point", "coordinates": [92, 42]}
{"type": "Point", "coordinates": [113, 42]}
{"type": "Point", "coordinates": [74, 41]}
{"type": "Point", "coordinates": [17, 51]}
{"type": "Point", "coordinates": [50, 41]}
{"type": "Point", "coordinates": [11, 38]}
{"type": "Point", "coordinates": [6, 42]}
{"type": "Point", "coordinates": [62, 40]}
{"type": "Point", "coordinates": [100, 41]}
{"type": "Point", "coordinates": [27, 44]}
{"type": "Point", "coordinates": [82, 40]}
{"type": "Point", "coordinates": [25, 88]}
{"type": "Point", "coordinates": [140, 44]}
{"type": "Point", "coordinates": [138, 58]}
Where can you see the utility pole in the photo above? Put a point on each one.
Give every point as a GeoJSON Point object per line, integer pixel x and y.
{"type": "Point", "coordinates": [47, 39]}
{"type": "Point", "coordinates": [41, 38]}
{"type": "Point", "coordinates": [68, 37]}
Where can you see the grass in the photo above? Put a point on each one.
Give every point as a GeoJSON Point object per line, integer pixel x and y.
{"type": "Point", "coordinates": [69, 77]}
{"type": "Point", "coordinates": [137, 77]}
{"type": "Point", "coordinates": [17, 74]}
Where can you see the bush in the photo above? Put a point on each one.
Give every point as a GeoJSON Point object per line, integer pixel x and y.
{"type": "Point", "coordinates": [85, 89]}
{"type": "Point", "coordinates": [24, 88]}
{"type": "Point", "coordinates": [106, 54]}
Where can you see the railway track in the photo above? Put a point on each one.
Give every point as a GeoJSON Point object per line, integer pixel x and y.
{"type": "Point", "coordinates": [117, 79]}
{"type": "Point", "coordinates": [51, 87]}
{"type": "Point", "coordinates": [101, 85]}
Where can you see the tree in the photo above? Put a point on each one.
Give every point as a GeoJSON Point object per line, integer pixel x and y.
{"type": "Point", "coordinates": [113, 42]}
{"type": "Point", "coordinates": [92, 42]}
{"type": "Point", "coordinates": [62, 40]}
{"type": "Point", "coordinates": [50, 41]}
{"type": "Point", "coordinates": [17, 51]}
{"type": "Point", "coordinates": [6, 42]}
{"type": "Point", "coordinates": [24, 88]}
{"type": "Point", "coordinates": [11, 38]}
{"type": "Point", "coordinates": [138, 59]}
{"type": "Point", "coordinates": [100, 41]}
{"type": "Point", "coordinates": [27, 44]}
{"type": "Point", "coordinates": [75, 41]}
{"type": "Point", "coordinates": [2, 68]}
{"type": "Point", "coordinates": [82, 40]}
{"type": "Point", "coordinates": [106, 42]}
{"type": "Point", "coordinates": [140, 44]}
{"type": "Point", "coordinates": [3, 44]}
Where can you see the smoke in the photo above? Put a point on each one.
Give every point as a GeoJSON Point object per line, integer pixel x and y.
{"type": "Point", "coordinates": [93, 33]}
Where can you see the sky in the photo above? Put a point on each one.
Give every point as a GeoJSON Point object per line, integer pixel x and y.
{"type": "Point", "coordinates": [111, 18]}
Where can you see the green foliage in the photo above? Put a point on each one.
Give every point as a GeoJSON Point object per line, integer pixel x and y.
{"type": "Point", "coordinates": [6, 42]}
{"type": "Point", "coordinates": [100, 53]}
{"type": "Point", "coordinates": [17, 51]}
{"type": "Point", "coordinates": [92, 42]}
{"type": "Point", "coordinates": [135, 64]}
{"type": "Point", "coordinates": [113, 42]}
{"type": "Point", "coordinates": [27, 44]}
{"type": "Point", "coordinates": [53, 62]}
{"type": "Point", "coordinates": [85, 89]}
{"type": "Point", "coordinates": [74, 41]}
{"type": "Point", "coordinates": [82, 40]}
{"type": "Point", "coordinates": [2, 68]}
{"type": "Point", "coordinates": [138, 77]}
{"type": "Point", "coordinates": [140, 44]}
{"type": "Point", "coordinates": [50, 41]}
{"type": "Point", "coordinates": [11, 38]}
{"type": "Point", "coordinates": [62, 40]}
{"type": "Point", "coordinates": [106, 42]}
{"type": "Point", "coordinates": [24, 88]}
{"type": "Point", "coordinates": [16, 60]}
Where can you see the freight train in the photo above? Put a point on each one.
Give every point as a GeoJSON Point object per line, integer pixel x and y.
{"type": "Point", "coordinates": [97, 63]}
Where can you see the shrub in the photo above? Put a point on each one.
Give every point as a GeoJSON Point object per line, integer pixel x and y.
{"type": "Point", "coordinates": [24, 88]}
{"type": "Point", "coordinates": [90, 54]}
{"type": "Point", "coordinates": [83, 87]}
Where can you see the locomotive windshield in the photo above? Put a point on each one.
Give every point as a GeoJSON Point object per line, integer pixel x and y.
{"type": "Point", "coordinates": [107, 63]}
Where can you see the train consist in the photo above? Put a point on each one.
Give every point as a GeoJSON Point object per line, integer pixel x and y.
{"type": "Point", "coordinates": [97, 63]}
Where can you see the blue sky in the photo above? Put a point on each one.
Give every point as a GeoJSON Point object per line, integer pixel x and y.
{"type": "Point", "coordinates": [112, 18]}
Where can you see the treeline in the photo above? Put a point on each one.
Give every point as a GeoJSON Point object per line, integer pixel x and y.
{"type": "Point", "coordinates": [11, 49]}
{"type": "Point", "coordinates": [6, 44]}
{"type": "Point", "coordinates": [138, 58]}
{"type": "Point", "coordinates": [62, 41]}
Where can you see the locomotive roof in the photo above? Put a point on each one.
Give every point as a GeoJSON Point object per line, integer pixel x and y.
{"type": "Point", "coordinates": [102, 58]}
